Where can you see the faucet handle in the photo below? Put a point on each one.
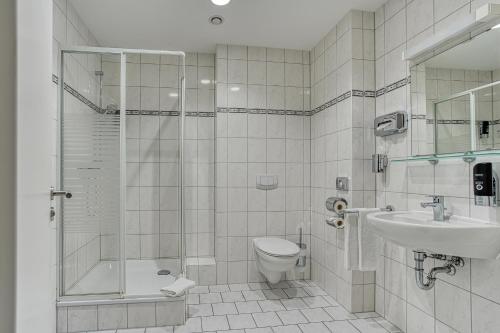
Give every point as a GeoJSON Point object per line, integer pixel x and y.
{"type": "Point", "coordinates": [437, 198]}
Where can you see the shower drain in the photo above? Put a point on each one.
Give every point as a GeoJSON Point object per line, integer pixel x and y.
{"type": "Point", "coordinates": [163, 272]}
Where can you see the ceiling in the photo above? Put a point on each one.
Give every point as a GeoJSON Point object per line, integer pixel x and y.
{"type": "Point", "coordinates": [183, 24]}
{"type": "Point", "coordinates": [480, 53]}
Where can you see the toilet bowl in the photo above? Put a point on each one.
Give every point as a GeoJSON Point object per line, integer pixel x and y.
{"type": "Point", "coordinates": [275, 256]}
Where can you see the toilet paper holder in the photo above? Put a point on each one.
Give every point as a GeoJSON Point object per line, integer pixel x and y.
{"type": "Point", "coordinates": [339, 207]}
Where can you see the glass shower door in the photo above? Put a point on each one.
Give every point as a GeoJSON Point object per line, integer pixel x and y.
{"type": "Point", "coordinates": [91, 168]}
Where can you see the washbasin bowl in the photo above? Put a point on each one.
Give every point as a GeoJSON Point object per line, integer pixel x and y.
{"type": "Point", "coordinates": [457, 236]}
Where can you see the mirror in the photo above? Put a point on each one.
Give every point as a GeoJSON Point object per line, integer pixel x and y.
{"type": "Point", "coordinates": [455, 98]}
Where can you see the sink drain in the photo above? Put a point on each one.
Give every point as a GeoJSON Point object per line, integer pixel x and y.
{"type": "Point", "coordinates": [163, 272]}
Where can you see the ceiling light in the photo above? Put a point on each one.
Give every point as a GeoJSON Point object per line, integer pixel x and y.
{"type": "Point", "coordinates": [496, 26]}
{"type": "Point", "coordinates": [216, 20]}
{"type": "Point", "coordinates": [205, 81]}
{"type": "Point", "coordinates": [235, 88]}
{"type": "Point", "coordinates": [173, 95]}
{"type": "Point", "coordinates": [220, 2]}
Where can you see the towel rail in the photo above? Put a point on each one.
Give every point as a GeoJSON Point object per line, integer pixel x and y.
{"type": "Point", "coordinates": [387, 208]}
{"type": "Point", "coordinates": [339, 221]}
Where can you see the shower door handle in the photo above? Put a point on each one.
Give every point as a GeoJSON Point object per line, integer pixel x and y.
{"type": "Point", "coordinates": [54, 193]}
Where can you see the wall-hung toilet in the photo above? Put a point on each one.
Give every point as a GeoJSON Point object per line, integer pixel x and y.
{"type": "Point", "coordinates": [275, 256]}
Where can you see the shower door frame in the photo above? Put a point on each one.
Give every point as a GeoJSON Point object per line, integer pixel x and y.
{"type": "Point", "coordinates": [122, 52]}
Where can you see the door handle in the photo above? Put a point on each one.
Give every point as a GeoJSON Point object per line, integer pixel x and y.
{"type": "Point", "coordinates": [54, 193]}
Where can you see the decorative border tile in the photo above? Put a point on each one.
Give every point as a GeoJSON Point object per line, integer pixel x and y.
{"type": "Point", "coordinates": [393, 86]}
{"type": "Point", "coordinates": [100, 110]}
{"type": "Point", "coordinates": [263, 111]}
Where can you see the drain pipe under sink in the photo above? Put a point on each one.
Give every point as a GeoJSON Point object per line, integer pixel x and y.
{"type": "Point", "coordinates": [449, 268]}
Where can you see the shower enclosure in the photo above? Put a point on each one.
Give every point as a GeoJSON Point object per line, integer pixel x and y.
{"type": "Point", "coordinates": [121, 117]}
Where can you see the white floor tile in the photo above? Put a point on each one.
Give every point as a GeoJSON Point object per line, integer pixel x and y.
{"type": "Point", "coordinates": [241, 321]}
{"type": "Point", "coordinates": [315, 291]}
{"type": "Point", "coordinates": [258, 286]}
{"type": "Point", "coordinates": [275, 294]}
{"type": "Point", "coordinates": [266, 319]}
{"type": "Point", "coordinates": [210, 298]}
{"type": "Point", "coordinates": [342, 326]}
{"type": "Point", "coordinates": [314, 328]}
{"type": "Point", "coordinates": [316, 315]}
{"type": "Point", "coordinates": [292, 317]}
{"type": "Point", "coordinates": [316, 302]}
{"type": "Point", "coordinates": [295, 292]}
{"type": "Point", "coordinates": [271, 305]}
{"type": "Point", "coordinates": [214, 323]}
{"type": "Point", "coordinates": [253, 295]}
{"type": "Point", "coordinates": [293, 304]}
{"type": "Point", "coordinates": [280, 285]}
{"type": "Point", "coordinates": [287, 329]}
{"type": "Point", "coordinates": [224, 309]}
{"type": "Point", "coordinates": [259, 330]}
{"type": "Point", "coordinates": [192, 325]}
{"type": "Point", "coordinates": [248, 307]}
{"type": "Point", "coordinates": [232, 296]}
{"type": "Point", "coordinates": [339, 313]}
{"type": "Point", "coordinates": [201, 310]}
{"type": "Point", "coordinates": [368, 326]}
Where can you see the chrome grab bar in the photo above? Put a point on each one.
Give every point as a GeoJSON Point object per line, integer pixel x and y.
{"type": "Point", "coordinates": [339, 221]}
{"type": "Point", "coordinates": [388, 208]}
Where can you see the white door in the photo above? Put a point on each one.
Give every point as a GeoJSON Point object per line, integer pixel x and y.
{"type": "Point", "coordinates": [36, 112]}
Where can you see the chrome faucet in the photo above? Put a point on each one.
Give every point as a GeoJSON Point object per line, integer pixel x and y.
{"type": "Point", "coordinates": [437, 205]}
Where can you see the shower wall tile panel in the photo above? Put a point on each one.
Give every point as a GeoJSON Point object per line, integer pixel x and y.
{"type": "Point", "coordinates": [153, 183]}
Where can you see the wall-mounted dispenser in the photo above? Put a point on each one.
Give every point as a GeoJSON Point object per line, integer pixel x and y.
{"type": "Point", "coordinates": [484, 129]}
{"type": "Point", "coordinates": [392, 123]}
{"type": "Point", "coordinates": [379, 163]}
{"type": "Point", "coordinates": [485, 185]}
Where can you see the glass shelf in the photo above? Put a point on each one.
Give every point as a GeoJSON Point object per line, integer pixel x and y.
{"type": "Point", "coordinates": [434, 159]}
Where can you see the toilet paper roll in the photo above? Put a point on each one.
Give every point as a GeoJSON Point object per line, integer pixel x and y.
{"type": "Point", "coordinates": [337, 223]}
{"type": "Point", "coordinates": [336, 204]}
{"type": "Point", "coordinates": [339, 206]}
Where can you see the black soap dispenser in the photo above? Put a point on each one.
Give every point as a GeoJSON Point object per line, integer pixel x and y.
{"type": "Point", "coordinates": [485, 185]}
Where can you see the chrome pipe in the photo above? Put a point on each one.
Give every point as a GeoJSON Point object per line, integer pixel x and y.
{"type": "Point", "coordinates": [427, 281]}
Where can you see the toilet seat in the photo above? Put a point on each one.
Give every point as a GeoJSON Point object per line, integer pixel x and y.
{"type": "Point", "coordinates": [276, 247]}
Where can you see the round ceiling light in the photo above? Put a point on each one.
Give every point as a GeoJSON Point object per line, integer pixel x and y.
{"type": "Point", "coordinates": [216, 20]}
{"type": "Point", "coordinates": [220, 2]}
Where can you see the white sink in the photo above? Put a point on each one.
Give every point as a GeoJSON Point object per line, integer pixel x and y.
{"type": "Point", "coordinates": [458, 236]}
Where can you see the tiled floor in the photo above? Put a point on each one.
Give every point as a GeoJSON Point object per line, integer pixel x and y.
{"type": "Point", "coordinates": [288, 307]}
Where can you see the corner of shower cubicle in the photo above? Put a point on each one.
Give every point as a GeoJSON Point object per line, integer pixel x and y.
{"type": "Point", "coordinates": [96, 133]}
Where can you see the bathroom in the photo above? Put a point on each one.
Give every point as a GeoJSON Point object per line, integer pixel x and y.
{"type": "Point", "coordinates": [250, 166]}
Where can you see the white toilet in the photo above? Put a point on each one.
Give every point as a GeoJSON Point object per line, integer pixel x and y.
{"type": "Point", "coordinates": [275, 256]}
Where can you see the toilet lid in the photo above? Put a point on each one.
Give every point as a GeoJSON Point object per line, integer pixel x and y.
{"type": "Point", "coordinates": [276, 246]}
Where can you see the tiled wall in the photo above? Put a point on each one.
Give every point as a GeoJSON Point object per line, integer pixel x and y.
{"type": "Point", "coordinates": [343, 84]}
{"type": "Point", "coordinates": [153, 90]}
{"type": "Point", "coordinates": [262, 128]}
{"type": "Point", "coordinates": [81, 248]}
{"type": "Point", "coordinates": [469, 301]}
{"type": "Point", "coordinates": [120, 315]}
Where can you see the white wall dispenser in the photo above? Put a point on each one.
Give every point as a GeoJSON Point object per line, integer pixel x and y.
{"type": "Point", "coordinates": [392, 123]}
